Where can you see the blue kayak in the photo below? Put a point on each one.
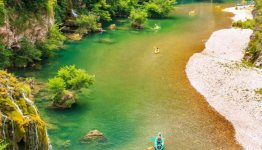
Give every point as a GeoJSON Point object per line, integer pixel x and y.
{"type": "Point", "coordinates": [159, 142]}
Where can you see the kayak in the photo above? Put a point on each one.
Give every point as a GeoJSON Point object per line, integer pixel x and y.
{"type": "Point", "coordinates": [157, 28]}
{"type": "Point", "coordinates": [159, 144]}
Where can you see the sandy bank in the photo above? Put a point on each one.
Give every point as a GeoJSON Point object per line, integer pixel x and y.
{"type": "Point", "coordinates": [229, 87]}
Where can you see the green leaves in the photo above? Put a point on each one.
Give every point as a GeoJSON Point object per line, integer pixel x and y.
{"type": "Point", "coordinates": [87, 22]}
{"type": "Point", "coordinates": [26, 54]}
{"type": "Point", "coordinates": [159, 8]}
{"type": "Point", "coordinates": [138, 18]}
{"type": "Point", "coordinates": [75, 79]}
{"type": "Point", "coordinates": [248, 24]}
{"type": "Point", "coordinates": [67, 82]}
{"type": "Point", "coordinates": [56, 84]}
{"type": "Point", "coordinates": [2, 12]}
{"type": "Point", "coordinates": [5, 55]}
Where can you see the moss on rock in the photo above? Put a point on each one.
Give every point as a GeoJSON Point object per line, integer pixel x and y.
{"type": "Point", "coordinates": [21, 126]}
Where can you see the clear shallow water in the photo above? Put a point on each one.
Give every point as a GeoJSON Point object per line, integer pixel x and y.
{"type": "Point", "coordinates": [138, 93]}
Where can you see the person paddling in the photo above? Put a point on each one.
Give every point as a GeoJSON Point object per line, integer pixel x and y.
{"type": "Point", "coordinates": [157, 50]}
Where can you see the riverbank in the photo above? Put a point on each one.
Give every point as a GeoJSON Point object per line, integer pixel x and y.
{"type": "Point", "coordinates": [229, 86]}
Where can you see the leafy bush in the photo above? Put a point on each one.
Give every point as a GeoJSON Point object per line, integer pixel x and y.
{"type": "Point", "coordinates": [5, 55]}
{"type": "Point", "coordinates": [60, 11]}
{"type": "Point", "coordinates": [248, 24]}
{"type": "Point", "coordinates": [75, 79]}
{"type": "Point", "coordinates": [55, 40]}
{"type": "Point", "coordinates": [87, 22]}
{"type": "Point", "coordinates": [2, 12]}
{"type": "Point", "coordinates": [66, 83]}
{"type": "Point", "coordinates": [138, 18]}
{"type": "Point", "coordinates": [2, 145]}
{"type": "Point", "coordinates": [26, 54]}
{"type": "Point", "coordinates": [159, 8]}
{"type": "Point", "coordinates": [101, 9]}
{"type": "Point", "coordinates": [56, 84]}
{"type": "Point", "coordinates": [121, 8]}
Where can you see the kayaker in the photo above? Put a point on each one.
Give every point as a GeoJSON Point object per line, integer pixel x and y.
{"type": "Point", "coordinates": [156, 50]}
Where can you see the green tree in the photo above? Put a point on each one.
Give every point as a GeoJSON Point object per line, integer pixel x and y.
{"type": "Point", "coordinates": [159, 8]}
{"type": "Point", "coordinates": [2, 12]}
{"type": "Point", "coordinates": [5, 55]}
{"type": "Point", "coordinates": [26, 54]}
{"type": "Point", "coordinates": [138, 18]}
{"type": "Point", "coordinates": [87, 23]}
{"type": "Point", "coordinates": [100, 8]}
{"type": "Point", "coordinates": [55, 40]}
{"type": "Point", "coordinates": [67, 83]}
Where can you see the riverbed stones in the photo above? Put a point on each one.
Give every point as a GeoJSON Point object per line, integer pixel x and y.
{"type": "Point", "coordinates": [93, 135]}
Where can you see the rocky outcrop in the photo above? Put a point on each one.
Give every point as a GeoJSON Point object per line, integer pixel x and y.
{"type": "Point", "coordinates": [20, 124]}
{"type": "Point", "coordinates": [35, 29]}
{"type": "Point", "coordinates": [93, 135]}
{"type": "Point", "coordinates": [20, 22]}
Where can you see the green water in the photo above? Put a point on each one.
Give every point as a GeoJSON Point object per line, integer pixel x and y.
{"type": "Point", "coordinates": [138, 93]}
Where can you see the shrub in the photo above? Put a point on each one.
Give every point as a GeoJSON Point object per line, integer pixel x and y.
{"type": "Point", "coordinates": [60, 11]}
{"type": "Point", "coordinates": [87, 22]}
{"type": "Point", "coordinates": [66, 83]}
{"type": "Point", "coordinates": [55, 40]}
{"type": "Point", "coordinates": [138, 18]}
{"type": "Point", "coordinates": [159, 8]}
{"type": "Point", "coordinates": [2, 12]}
{"type": "Point", "coordinates": [101, 9]}
{"type": "Point", "coordinates": [248, 24]}
{"type": "Point", "coordinates": [26, 54]}
{"type": "Point", "coordinates": [5, 55]}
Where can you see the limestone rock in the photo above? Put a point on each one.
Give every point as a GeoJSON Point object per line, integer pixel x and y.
{"type": "Point", "coordinates": [93, 135]}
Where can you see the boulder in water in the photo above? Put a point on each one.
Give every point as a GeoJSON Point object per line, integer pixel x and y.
{"type": "Point", "coordinates": [112, 26]}
{"type": "Point", "coordinates": [93, 135]}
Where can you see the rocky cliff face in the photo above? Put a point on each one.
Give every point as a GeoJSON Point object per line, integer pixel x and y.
{"type": "Point", "coordinates": [20, 124]}
{"type": "Point", "coordinates": [35, 30]}
{"type": "Point", "coordinates": [18, 21]}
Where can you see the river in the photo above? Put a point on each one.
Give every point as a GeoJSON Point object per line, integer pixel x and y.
{"type": "Point", "coordinates": [138, 93]}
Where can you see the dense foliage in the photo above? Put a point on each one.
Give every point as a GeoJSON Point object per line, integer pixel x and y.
{"type": "Point", "coordinates": [87, 23]}
{"type": "Point", "coordinates": [104, 10]}
{"type": "Point", "coordinates": [248, 24]}
{"type": "Point", "coordinates": [2, 12]}
{"type": "Point", "coordinates": [253, 52]}
{"type": "Point", "coordinates": [2, 145]}
{"type": "Point", "coordinates": [138, 18]}
{"type": "Point", "coordinates": [66, 84]}
{"type": "Point", "coordinates": [159, 8]}
{"type": "Point", "coordinates": [55, 40]}
{"type": "Point", "coordinates": [5, 56]}
{"type": "Point", "coordinates": [26, 54]}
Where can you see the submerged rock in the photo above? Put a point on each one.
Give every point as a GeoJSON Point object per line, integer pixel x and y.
{"type": "Point", "coordinates": [74, 36]}
{"type": "Point", "coordinates": [112, 26]}
{"type": "Point", "coordinates": [21, 126]}
{"type": "Point", "coordinates": [93, 135]}
{"type": "Point", "coordinates": [105, 40]}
